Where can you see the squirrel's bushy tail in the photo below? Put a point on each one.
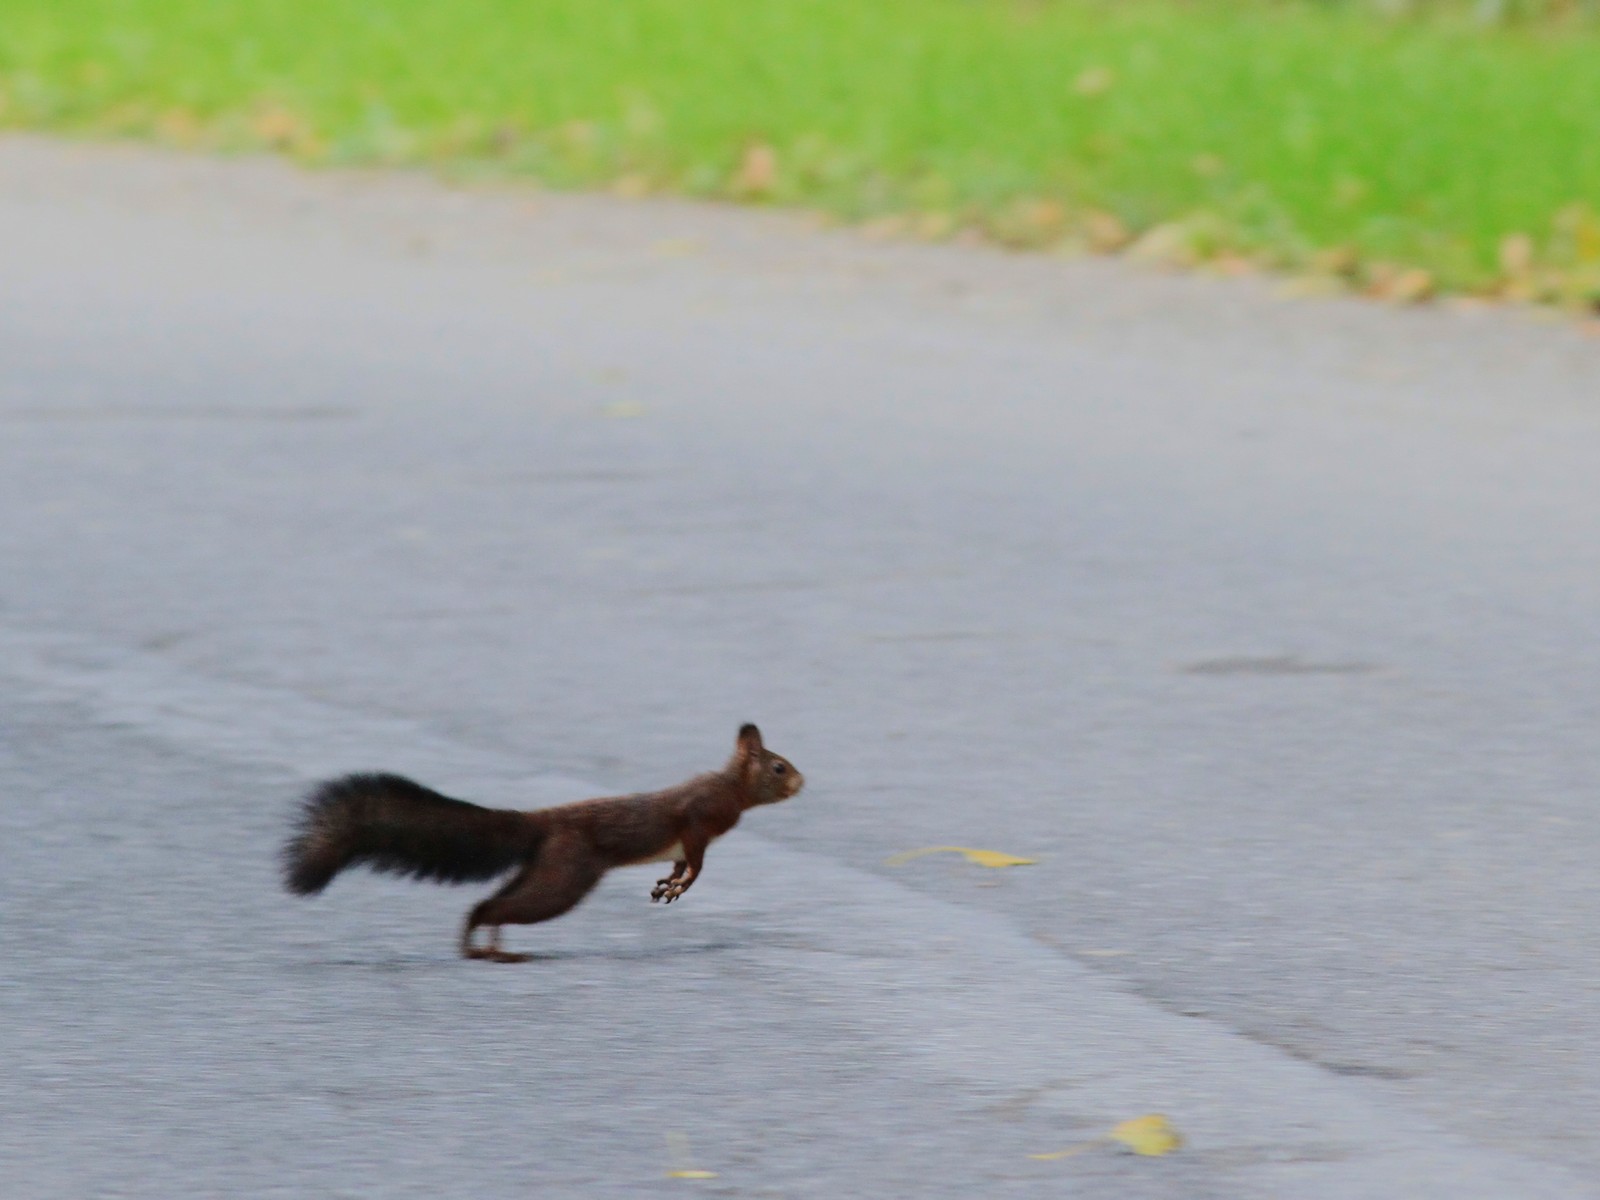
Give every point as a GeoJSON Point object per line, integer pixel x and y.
{"type": "Point", "coordinates": [391, 824]}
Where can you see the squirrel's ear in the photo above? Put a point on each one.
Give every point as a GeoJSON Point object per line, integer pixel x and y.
{"type": "Point", "coordinates": [749, 743]}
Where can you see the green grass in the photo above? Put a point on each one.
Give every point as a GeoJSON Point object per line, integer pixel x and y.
{"type": "Point", "coordinates": [1402, 154]}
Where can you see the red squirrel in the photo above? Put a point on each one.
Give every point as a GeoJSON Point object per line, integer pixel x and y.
{"type": "Point", "coordinates": [394, 825]}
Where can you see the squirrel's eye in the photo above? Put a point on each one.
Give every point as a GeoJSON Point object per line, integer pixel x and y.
{"type": "Point", "coordinates": [778, 768]}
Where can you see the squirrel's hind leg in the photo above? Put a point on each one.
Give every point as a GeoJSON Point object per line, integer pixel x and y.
{"type": "Point", "coordinates": [563, 874]}
{"type": "Point", "coordinates": [492, 951]}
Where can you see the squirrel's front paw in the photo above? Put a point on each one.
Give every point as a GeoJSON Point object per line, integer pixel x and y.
{"type": "Point", "coordinates": [667, 890]}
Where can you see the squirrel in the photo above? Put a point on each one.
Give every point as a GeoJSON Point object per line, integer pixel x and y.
{"type": "Point", "coordinates": [392, 824]}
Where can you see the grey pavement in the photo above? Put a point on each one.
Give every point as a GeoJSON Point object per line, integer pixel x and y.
{"type": "Point", "coordinates": [1265, 626]}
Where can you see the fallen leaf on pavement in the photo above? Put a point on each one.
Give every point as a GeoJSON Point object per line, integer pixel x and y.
{"type": "Point", "coordinates": [1151, 1135]}
{"type": "Point", "coordinates": [981, 858]}
{"type": "Point", "coordinates": [1068, 1152]}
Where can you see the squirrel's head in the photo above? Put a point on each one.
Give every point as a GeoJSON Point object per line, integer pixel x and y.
{"type": "Point", "coordinates": [769, 777]}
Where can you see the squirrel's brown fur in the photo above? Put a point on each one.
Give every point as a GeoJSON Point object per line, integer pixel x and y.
{"type": "Point", "coordinates": [391, 824]}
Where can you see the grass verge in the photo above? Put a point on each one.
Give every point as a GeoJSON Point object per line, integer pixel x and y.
{"type": "Point", "coordinates": [1404, 157]}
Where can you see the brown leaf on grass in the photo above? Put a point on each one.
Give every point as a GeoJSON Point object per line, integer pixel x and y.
{"type": "Point", "coordinates": [757, 173]}
{"type": "Point", "coordinates": [1413, 287]}
{"type": "Point", "coordinates": [1105, 232]}
{"type": "Point", "coordinates": [1516, 255]}
{"type": "Point", "coordinates": [1400, 285]}
{"type": "Point", "coordinates": [277, 126]}
{"type": "Point", "coordinates": [1047, 216]}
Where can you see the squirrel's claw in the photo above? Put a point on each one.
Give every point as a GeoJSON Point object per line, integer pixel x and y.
{"type": "Point", "coordinates": [676, 884]}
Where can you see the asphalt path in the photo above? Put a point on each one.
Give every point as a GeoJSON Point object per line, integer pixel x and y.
{"type": "Point", "coordinates": [1265, 625]}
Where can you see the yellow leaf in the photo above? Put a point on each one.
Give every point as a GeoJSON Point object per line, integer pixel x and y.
{"type": "Point", "coordinates": [691, 1174]}
{"type": "Point", "coordinates": [981, 858]}
{"type": "Point", "coordinates": [1068, 1152]}
{"type": "Point", "coordinates": [995, 858]}
{"type": "Point", "coordinates": [1151, 1135]}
